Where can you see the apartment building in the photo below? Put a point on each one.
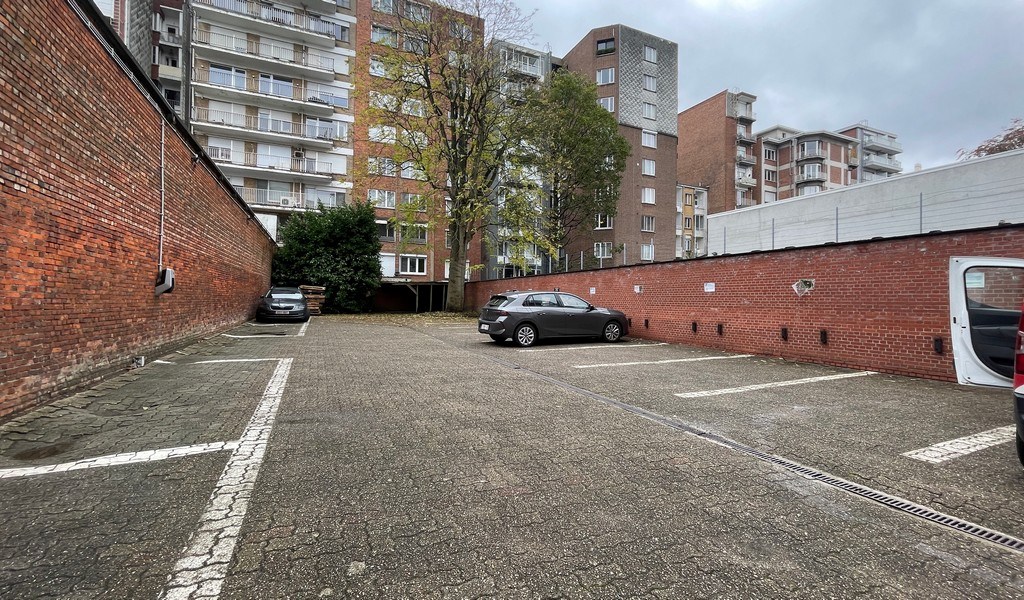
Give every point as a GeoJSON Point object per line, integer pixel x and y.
{"type": "Point", "coordinates": [636, 75]}
{"type": "Point", "coordinates": [875, 158]}
{"type": "Point", "coordinates": [797, 163]}
{"type": "Point", "coordinates": [691, 221]}
{"type": "Point", "coordinates": [716, 149]}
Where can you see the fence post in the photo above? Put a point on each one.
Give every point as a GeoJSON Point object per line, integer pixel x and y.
{"type": "Point", "coordinates": [837, 224]}
{"type": "Point", "coordinates": [920, 212]}
{"type": "Point", "coordinates": [773, 233]}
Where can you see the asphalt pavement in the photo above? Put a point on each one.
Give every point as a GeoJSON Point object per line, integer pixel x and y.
{"type": "Point", "coordinates": [411, 457]}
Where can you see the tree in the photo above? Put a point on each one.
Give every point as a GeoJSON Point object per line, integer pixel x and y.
{"type": "Point", "coordinates": [1011, 138]}
{"type": "Point", "coordinates": [575, 146]}
{"type": "Point", "coordinates": [336, 248]}
{"type": "Point", "coordinates": [437, 81]}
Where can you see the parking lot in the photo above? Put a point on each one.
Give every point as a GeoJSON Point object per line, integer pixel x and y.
{"type": "Point", "coordinates": [410, 456]}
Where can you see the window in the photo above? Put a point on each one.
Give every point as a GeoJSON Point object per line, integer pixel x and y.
{"type": "Point", "coordinates": [382, 134]}
{"type": "Point", "coordinates": [414, 200]}
{"type": "Point", "coordinates": [605, 46]}
{"type": "Point", "coordinates": [414, 233]}
{"type": "Point", "coordinates": [417, 12]}
{"type": "Point", "coordinates": [770, 197]}
{"type": "Point", "coordinates": [811, 148]}
{"type": "Point", "coordinates": [649, 139]}
{"type": "Point", "coordinates": [688, 198]}
{"type": "Point", "coordinates": [810, 189]}
{"type": "Point", "coordinates": [607, 103]}
{"type": "Point", "coordinates": [770, 154]}
{"type": "Point", "coordinates": [416, 45]}
{"type": "Point", "coordinates": [606, 76]}
{"type": "Point", "coordinates": [687, 222]}
{"type": "Point", "coordinates": [383, 35]}
{"type": "Point", "coordinates": [650, 111]}
{"type": "Point", "coordinates": [810, 171]}
{"type": "Point", "coordinates": [698, 222]}
{"type": "Point", "coordinates": [647, 223]}
{"type": "Point", "coordinates": [646, 251]}
{"type": "Point", "coordinates": [770, 175]}
{"type": "Point", "coordinates": [381, 166]}
{"type": "Point", "coordinates": [384, 6]}
{"type": "Point", "coordinates": [227, 76]}
{"type": "Point", "coordinates": [688, 244]}
{"type": "Point", "coordinates": [409, 171]}
{"type": "Point", "coordinates": [647, 167]}
{"type": "Point", "coordinates": [447, 238]}
{"type": "Point", "coordinates": [460, 31]}
{"type": "Point", "coordinates": [381, 198]}
{"type": "Point", "coordinates": [604, 221]}
{"type": "Point", "coordinates": [647, 195]}
{"type": "Point", "coordinates": [650, 83]}
{"type": "Point", "coordinates": [377, 68]}
{"type": "Point", "coordinates": [385, 230]}
{"type": "Point", "coordinates": [412, 264]}
{"type": "Point", "coordinates": [383, 101]}
{"type": "Point", "coordinates": [413, 107]}
{"type": "Point", "coordinates": [650, 54]}
{"type": "Point", "coordinates": [541, 300]}
{"type": "Point", "coordinates": [603, 250]}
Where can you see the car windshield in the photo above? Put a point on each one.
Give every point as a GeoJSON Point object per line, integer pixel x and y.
{"type": "Point", "coordinates": [497, 301]}
{"type": "Point", "coordinates": [286, 295]}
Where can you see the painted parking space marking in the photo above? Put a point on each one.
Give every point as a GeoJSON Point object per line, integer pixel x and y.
{"type": "Point", "coordinates": [124, 458]}
{"type": "Point", "coordinates": [301, 333]}
{"type": "Point", "coordinates": [661, 362]}
{"type": "Point", "coordinates": [235, 360]}
{"type": "Point", "coordinates": [203, 564]}
{"type": "Point", "coordinates": [943, 451]}
{"type": "Point", "coordinates": [762, 386]}
{"type": "Point", "coordinates": [595, 347]}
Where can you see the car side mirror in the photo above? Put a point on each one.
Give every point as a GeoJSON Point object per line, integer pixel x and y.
{"type": "Point", "coordinates": [590, 307]}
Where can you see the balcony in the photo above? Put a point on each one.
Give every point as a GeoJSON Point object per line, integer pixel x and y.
{"type": "Point", "coordinates": [817, 175]}
{"type": "Point", "coordinates": [313, 133]}
{"type": "Point", "coordinates": [302, 169]}
{"type": "Point", "coordinates": [744, 137]}
{"type": "Point", "coordinates": [745, 159]}
{"type": "Point", "coordinates": [809, 154]}
{"type": "Point", "coordinates": [288, 201]}
{"type": "Point", "coordinates": [300, 96]}
{"type": "Point", "coordinates": [745, 181]}
{"type": "Point", "coordinates": [882, 163]}
{"type": "Point", "coordinates": [171, 39]}
{"type": "Point", "coordinates": [266, 18]}
{"type": "Point", "coordinates": [743, 115]}
{"type": "Point", "coordinates": [880, 143]}
{"type": "Point", "coordinates": [742, 203]}
{"type": "Point", "coordinates": [168, 72]}
{"type": "Point", "coordinates": [241, 52]}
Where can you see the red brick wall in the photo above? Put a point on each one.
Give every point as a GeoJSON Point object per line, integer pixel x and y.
{"type": "Point", "coordinates": [707, 151]}
{"type": "Point", "coordinates": [881, 302]}
{"type": "Point", "coordinates": [80, 205]}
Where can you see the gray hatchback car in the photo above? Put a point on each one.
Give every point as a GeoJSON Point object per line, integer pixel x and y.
{"type": "Point", "coordinates": [526, 317]}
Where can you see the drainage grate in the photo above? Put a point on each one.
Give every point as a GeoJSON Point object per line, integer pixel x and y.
{"type": "Point", "coordinates": [893, 502]}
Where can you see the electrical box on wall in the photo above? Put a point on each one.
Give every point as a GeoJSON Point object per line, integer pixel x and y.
{"type": "Point", "coordinates": [165, 281]}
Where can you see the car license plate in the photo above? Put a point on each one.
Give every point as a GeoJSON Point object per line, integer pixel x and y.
{"type": "Point", "coordinates": [281, 312]}
{"type": "Point", "coordinates": [483, 327]}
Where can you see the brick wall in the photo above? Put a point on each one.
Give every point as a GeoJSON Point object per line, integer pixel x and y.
{"type": "Point", "coordinates": [707, 151]}
{"type": "Point", "coordinates": [881, 302]}
{"type": "Point", "coordinates": [80, 167]}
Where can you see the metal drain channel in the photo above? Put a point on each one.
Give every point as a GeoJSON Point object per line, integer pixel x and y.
{"type": "Point", "coordinates": [893, 502]}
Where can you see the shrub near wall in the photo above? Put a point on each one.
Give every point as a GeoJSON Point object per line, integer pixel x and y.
{"type": "Point", "coordinates": [80, 178]}
{"type": "Point", "coordinates": [880, 302]}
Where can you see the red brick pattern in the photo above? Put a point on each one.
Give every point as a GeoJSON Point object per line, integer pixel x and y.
{"type": "Point", "coordinates": [881, 302]}
{"type": "Point", "coordinates": [80, 205]}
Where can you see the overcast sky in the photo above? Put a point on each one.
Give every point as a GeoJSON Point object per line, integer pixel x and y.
{"type": "Point", "coordinates": [940, 74]}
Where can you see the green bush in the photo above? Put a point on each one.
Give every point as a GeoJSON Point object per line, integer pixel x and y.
{"type": "Point", "coordinates": [336, 248]}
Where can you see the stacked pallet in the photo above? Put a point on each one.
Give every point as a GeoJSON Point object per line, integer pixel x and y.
{"type": "Point", "coordinates": [314, 297]}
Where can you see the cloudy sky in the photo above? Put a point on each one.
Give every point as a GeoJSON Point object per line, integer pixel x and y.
{"type": "Point", "coordinates": [940, 74]}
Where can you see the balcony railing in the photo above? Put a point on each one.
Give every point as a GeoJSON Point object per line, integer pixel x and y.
{"type": "Point", "coordinates": [279, 16]}
{"type": "Point", "coordinates": [875, 161]}
{"type": "Point", "coordinates": [269, 161]}
{"type": "Point", "coordinates": [806, 154]}
{"type": "Point", "coordinates": [299, 92]}
{"type": "Point", "coordinates": [170, 38]}
{"type": "Point", "coordinates": [262, 197]}
{"type": "Point", "coordinates": [811, 176]}
{"type": "Point", "coordinates": [745, 181]}
{"type": "Point", "coordinates": [742, 136]}
{"type": "Point", "coordinates": [311, 129]}
{"type": "Point", "coordinates": [745, 159]}
{"type": "Point", "coordinates": [269, 51]}
{"type": "Point", "coordinates": [877, 142]}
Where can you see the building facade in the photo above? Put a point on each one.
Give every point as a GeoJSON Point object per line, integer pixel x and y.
{"type": "Point", "coordinates": [691, 221]}
{"type": "Point", "coordinates": [636, 75]}
{"type": "Point", "coordinates": [797, 163]}
{"type": "Point", "coordinates": [876, 155]}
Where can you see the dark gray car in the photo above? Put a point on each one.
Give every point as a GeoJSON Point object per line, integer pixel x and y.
{"type": "Point", "coordinates": [284, 303]}
{"type": "Point", "coordinates": [528, 316]}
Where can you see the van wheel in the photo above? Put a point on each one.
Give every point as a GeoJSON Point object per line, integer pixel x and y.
{"type": "Point", "coordinates": [526, 335]}
{"type": "Point", "coordinates": [1020, 450]}
{"type": "Point", "coordinates": [612, 331]}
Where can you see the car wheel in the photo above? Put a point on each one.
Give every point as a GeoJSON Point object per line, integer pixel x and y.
{"type": "Point", "coordinates": [1020, 450]}
{"type": "Point", "coordinates": [526, 335]}
{"type": "Point", "coordinates": [498, 338]}
{"type": "Point", "coordinates": [612, 331]}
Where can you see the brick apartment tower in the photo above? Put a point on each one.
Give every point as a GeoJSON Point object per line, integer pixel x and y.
{"type": "Point", "coordinates": [716, 149]}
{"type": "Point", "coordinates": [637, 75]}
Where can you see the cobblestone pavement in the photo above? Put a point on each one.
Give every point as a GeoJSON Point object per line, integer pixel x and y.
{"type": "Point", "coordinates": [409, 457]}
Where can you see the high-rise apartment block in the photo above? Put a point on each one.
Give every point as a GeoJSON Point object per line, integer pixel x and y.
{"type": "Point", "coordinates": [876, 158]}
{"type": "Point", "coordinates": [636, 75]}
{"type": "Point", "coordinates": [797, 163]}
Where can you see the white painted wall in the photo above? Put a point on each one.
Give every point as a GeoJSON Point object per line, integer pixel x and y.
{"type": "Point", "coordinates": [977, 193]}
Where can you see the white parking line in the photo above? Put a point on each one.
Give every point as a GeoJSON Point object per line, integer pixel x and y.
{"type": "Point", "coordinates": [203, 565]}
{"type": "Point", "coordinates": [943, 451]}
{"type": "Point", "coordinates": [595, 347]}
{"type": "Point", "coordinates": [661, 362]}
{"type": "Point", "coordinates": [762, 386]}
{"type": "Point", "coordinates": [124, 458]}
{"type": "Point", "coordinates": [235, 360]}
{"type": "Point", "coordinates": [301, 333]}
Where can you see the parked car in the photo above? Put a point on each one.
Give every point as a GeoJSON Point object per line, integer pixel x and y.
{"type": "Point", "coordinates": [1018, 386]}
{"type": "Point", "coordinates": [284, 303]}
{"type": "Point", "coordinates": [526, 317]}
